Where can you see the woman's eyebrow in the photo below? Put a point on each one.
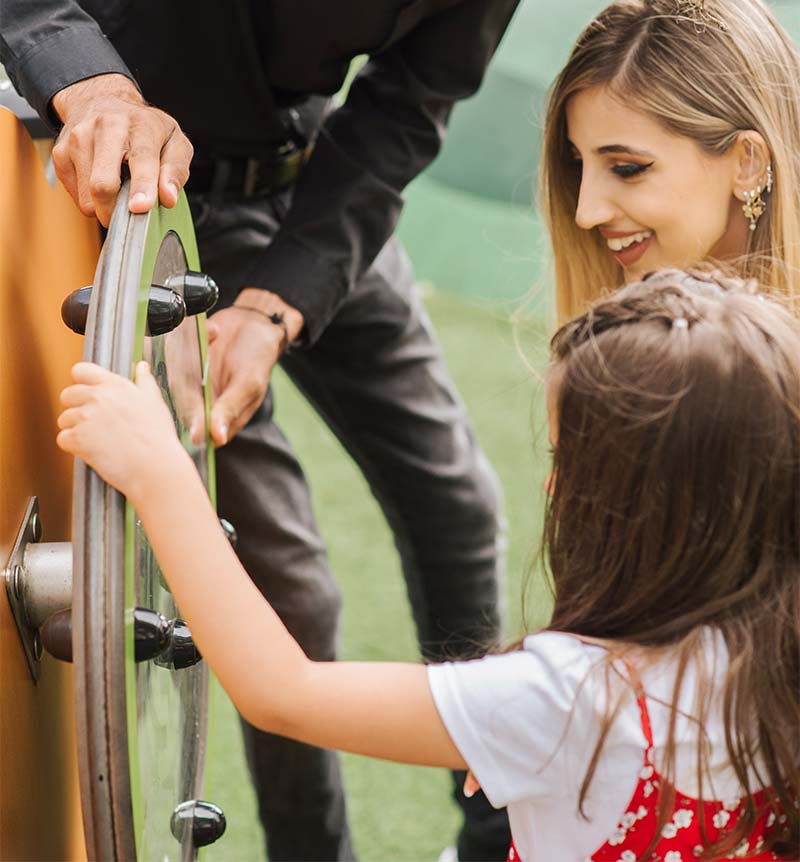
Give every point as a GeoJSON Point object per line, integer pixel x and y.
{"type": "Point", "coordinates": [621, 148]}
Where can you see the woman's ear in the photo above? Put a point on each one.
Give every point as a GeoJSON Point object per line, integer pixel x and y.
{"type": "Point", "coordinates": [751, 158]}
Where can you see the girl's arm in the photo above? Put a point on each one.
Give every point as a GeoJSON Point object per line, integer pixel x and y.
{"type": "Point", "coordinates": [124, 431]}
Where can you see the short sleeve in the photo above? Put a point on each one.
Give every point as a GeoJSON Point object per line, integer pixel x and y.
{"type": "Point", "coordinates": [523, 721]}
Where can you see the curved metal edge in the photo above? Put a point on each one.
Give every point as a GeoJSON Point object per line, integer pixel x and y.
{"type": "Point", "coordinates": [123, 746]}
{"type": "Point", "coordinates": [102, 639]}
{"type": "Point", "coordinates": [98, 513]}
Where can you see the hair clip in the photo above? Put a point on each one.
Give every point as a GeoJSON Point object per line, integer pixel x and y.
{"type": "Point", "coordinates": [680, 323]}
{"type": "Point", "coordinates": [696, 12]}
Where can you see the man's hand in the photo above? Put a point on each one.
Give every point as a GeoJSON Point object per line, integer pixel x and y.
{"type": "Point", "coordinates": [107, 122]}
{"type": "Point", "coordinates": [121, 429]}
{"type": "Point", "coordinates": [244, 347]}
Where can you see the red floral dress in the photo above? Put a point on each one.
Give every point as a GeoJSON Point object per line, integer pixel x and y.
{"type": "Point", "coordinates": [681, 839]}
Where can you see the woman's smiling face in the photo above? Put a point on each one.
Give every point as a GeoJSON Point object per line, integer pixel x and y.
{"type": "Point", "coordinates": [657, 199]}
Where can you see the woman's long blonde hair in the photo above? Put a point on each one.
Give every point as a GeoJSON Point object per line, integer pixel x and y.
{"type": "Point", "coordinates": [705, 70]}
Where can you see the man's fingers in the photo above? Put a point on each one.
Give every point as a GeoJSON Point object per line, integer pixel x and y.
{"type": "Point", "coordinates": [65, 170]}
{"type": "Point", "coordinates": [81, 151]}
{"type": "Point", "coordinates": [212, 331]}
{"type": "Point", "coordinates": [221, 370]}
{"type": "Point", "coordinates": [197, 425]}
{"type": "Point", "coordinates": [220, 424]}
{"type": "Point", "coordinates": [175, 159]}
{"type": "Point", "coordinates": [233, 409]}
{"type": "Point", "coordinates": [110, 146]}
{"type": "Point", "coordinates": [144, 157]}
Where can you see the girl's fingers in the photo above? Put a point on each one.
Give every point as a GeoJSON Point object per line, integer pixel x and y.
{"type": "Point", "coordinates": [66, 440]}
{"type": "Point", "coordinates": [88, 372]}
{"type": "Point", "coordinates": [75, 395]}
{"type": "Point", "coordinates": [142, 370]}
{"type": "Point", "coordinates": [144, 377]}
{"type": "Point", "coordinates": [69, 418]}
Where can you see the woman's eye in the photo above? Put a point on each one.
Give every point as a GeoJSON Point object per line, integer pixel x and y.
{"type": "Point", "coordinates": [631, 170]}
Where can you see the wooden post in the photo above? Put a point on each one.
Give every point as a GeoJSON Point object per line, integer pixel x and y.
{"type": "Point", "coordinates": [47, 249]}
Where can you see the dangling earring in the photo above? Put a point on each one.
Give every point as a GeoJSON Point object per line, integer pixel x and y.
{"type": "Point", "coordinates": [754, 206]}
{"type": "Point", "coordinates": [770, 178]}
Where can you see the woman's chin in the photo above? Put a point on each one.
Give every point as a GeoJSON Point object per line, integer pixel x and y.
{"type": "Point", "coordinates": [647, 264]}
{"type": "Point", "coordinates": [636, 273]}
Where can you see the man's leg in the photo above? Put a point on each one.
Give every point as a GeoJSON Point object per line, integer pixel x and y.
{"type": "Point", "coordinates": [378, 378]}
{"type": "Point", "coordinates": [263, 492]}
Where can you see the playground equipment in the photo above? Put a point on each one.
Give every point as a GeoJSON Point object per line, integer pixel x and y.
{"type": "Point", "coordinates": [104, 703]}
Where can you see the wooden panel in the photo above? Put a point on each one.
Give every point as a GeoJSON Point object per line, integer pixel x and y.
{"type": "Point", "coordinates": [47, 249]}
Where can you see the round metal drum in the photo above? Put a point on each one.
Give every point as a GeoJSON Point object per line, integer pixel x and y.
{"type": "Point", "coordinates": [141, 724]}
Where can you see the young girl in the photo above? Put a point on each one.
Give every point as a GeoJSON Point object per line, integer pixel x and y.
{"type": "Point", "coordinates": [657, 718]}
{"type": "Point", "coordinates": [673, 136]}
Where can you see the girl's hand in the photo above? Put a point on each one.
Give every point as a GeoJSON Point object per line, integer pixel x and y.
{"type": "Point", "coordinates": [471, 785]}
{"type": "Point", "coordinates": [121, 429]}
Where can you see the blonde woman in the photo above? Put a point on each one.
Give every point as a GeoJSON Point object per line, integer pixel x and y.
{"type": "Point", "coordinates": [672, 137]}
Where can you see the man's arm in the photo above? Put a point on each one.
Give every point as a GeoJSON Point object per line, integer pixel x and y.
{"type": "Point", "coordinates": [50, 44]}
{"type": "Point", "coordinates": [348, 199]}
{"type": "Point", "coordinates": [60, 61]}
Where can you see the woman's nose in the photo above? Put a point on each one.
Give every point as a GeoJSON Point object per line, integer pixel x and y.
{"type": "Point", "coordinates": [594, 207]}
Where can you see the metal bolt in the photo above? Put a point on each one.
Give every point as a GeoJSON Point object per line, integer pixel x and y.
{"type": "Point", "coordinates": [37, 645]}
{"type": "Point", "coordinates": [16, 581]}
{"type": "Point", "coordinates": [36, 528]}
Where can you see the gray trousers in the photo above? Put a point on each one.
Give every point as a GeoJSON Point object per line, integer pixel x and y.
{"type": "Point", "coordinates": [377, 378]}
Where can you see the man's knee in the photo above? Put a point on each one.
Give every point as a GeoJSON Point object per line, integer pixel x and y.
{"type": "Point", "coordinates": [478, 515]}
{"type": "Point", "coordinates": [311, 613]}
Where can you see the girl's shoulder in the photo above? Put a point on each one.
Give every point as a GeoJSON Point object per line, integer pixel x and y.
{"type": "Point", "coordinates": [556, 643]}
{"type": "Point", "coordinates": [598, 670]}
{"type": "Point", "coordinates": [572, 651]}
{"type": "Point", "coordinates": [573, 656]}
{"type": "Point", "coordinates": [583, 670]}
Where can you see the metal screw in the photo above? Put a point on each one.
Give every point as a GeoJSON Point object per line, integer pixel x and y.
{"type": "Point", "coordinates": [36, 528]}
{"type": "Point", "coordinates": [16, 580]}
{"type": "Point", "coordinates": [37, 645]}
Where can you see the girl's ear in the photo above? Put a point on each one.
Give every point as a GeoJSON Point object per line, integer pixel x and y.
{"type": "Point", "coordinates": [751, 158]}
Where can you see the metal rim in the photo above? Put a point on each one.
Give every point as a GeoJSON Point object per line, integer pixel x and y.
{"type": "Point", "coordinates": [102, 585]}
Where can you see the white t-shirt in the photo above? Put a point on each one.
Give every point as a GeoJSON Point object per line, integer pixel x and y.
{"type": "Point", "coordinates": [527, 724]}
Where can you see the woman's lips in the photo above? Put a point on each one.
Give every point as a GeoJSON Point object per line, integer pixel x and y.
{"type": "Point", "coordinates": [633, 253]}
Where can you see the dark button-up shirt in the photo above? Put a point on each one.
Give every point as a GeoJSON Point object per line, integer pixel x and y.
{"type": "Point", "coordinates": [223, 68]}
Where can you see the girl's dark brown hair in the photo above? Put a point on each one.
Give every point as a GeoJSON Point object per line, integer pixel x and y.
{"type": "Point", "coordinates": [675, 505]}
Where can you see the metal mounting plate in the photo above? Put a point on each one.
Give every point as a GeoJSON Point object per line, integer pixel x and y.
{"type": "Point", "coordinates": [29, 532]}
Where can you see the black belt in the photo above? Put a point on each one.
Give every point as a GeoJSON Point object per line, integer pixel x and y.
{"type": "Point", "coordinates": [238, 177]}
